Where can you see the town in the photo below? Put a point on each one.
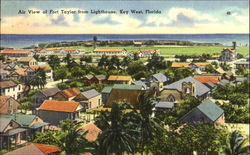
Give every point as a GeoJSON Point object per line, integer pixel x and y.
{"type": "Point", "coordinates": [114, 100]}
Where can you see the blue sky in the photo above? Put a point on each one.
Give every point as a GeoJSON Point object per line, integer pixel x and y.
{"type": "Point", "coordinates": [176, 17]}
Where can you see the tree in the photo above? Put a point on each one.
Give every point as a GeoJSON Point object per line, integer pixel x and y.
{"type": "Point", "coordinates": [77, 72]}
{"type": "Point", "coordinates": [235, 144]}
{"type": "Point", "coordinates": [39, 79]}
{"type": "Point", "coordinates": [210, 69]}
{"type": "Point", "coordinates": [119, 131]}
{"type": "Point", "coordinates": [103, 61]}
{"type": "Point", "coordinates": [61, 73]}
{"type": "Point", "coordinates": [94, 41]}
{"type": "Point", "coordinates": [149, 127]}
{"type": "Point", "coordinates": [43, 58]}
{"type": "Point", "coordinates": [115, 62]}
{"type": "Point", "coordinates": [37, 57]}
{"type": "Point", "coordinates": [54, 61]}
{"type": "Point", "coordinates": [136, 66]}
{"type": "Point", "coordinates": [156, 62]}
{"type": "Point", "coordinates": [125, 62]}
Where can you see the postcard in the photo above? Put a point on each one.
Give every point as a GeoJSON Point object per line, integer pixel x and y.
{"type": "Point", "coordinates": [105, 77]}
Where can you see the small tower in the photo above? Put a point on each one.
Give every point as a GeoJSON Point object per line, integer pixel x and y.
{"type": "Point", "coordinates": [188, 89]}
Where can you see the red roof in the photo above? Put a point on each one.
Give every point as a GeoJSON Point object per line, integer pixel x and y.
{"type": "Point", "coordinates": [108, 50]}
{"type": "Point", "coordinates": [47, 149]}
{"type": "Point", "coordinates": [63, 106]}
{"type": "Point", "coordinates": [93, 131]}
{"type": "Point", "coordinates": [205, 79]}
{"type": "Point", "coordinates": [71, 92]}
{"type": "Point", "coordinates": [11, 51]}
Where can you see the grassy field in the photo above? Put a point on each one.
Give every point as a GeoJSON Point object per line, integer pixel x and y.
{"type": "Point", "coordinates": [191, 50]}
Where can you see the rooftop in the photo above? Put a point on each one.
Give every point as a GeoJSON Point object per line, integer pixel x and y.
{"type": "Point", "coordinates": [7, 84]}
{"type": "Point", "coordinates": [15, 51]}
{"type": "Point", "coordinates": [90, 93]}
{"type": "Point", "coordinates": [62, 106]}
{"type": "Point", "coordinates": [119, 78]}
{"type": "Point", "coordinates": [108, 50]}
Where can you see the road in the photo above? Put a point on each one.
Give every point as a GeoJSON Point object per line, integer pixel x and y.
{"type": "Point", "coordinates": [53, 84]}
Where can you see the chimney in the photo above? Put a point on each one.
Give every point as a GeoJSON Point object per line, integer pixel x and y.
{"type": "Point", "coordinates": [234, 45]}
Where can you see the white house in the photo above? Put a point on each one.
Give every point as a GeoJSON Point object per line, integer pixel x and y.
{"type": "Point", "coordinates": [10, 88]}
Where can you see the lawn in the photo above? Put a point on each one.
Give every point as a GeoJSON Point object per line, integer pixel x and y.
{"type": "Point", "coordinates": [191, 50]}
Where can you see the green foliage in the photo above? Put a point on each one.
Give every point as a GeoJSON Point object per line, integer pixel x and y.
{"type": "Point", "coordinates": [138, 70]}
{"type": "Point", "coordinates": [210, 69]}
{"type": "Point", "coordinates": [61, 73]}
{"type": "Point", "coordinates": [156, 62]}
{"type": "Point", "coordinates": [40, 78]}
{"type": "Point", "coordinates": [63, 86]}
{"type": "Point", "coordinates": [54, 61]}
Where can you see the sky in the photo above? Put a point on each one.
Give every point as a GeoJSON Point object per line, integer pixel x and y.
{"type": "Point", "coordinates": [176, 17]}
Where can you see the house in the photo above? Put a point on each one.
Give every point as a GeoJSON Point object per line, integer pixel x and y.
{"type": "Point", "coordinates": [4, 74]}
{"type": "Point", "coordinates": [157, 81]}
{"type": "Point", "coordinates": [97, 79]}
{"type": "Point", "coordinates": [53, 112]}
{"type": "Point", "coordinates": [11, 133]}
{"type": "Point", "coordinates": [92, 132]}
{"type": "Point", "coordinates": [89, 99]}
{"type": "Point", "coordinates": [10, 88]}
{"type": "Point", "coordinates": [181, 65]}
{"type": "Point", "coordinates": [70, 51]}
{"type": "Point", "coordinates": [182, 88]}
{"type": "Point", "coordinates": [24, 75]}
{"type": "Point", "coordinates": [147, 52]}
{"type": "Point", "coordinates": [27, 61]}
{"type": "Point", "coordinates": [48, 71]}
{"type": "Point", "coordinates": [67, 94]}
{"type": "Point", "coordinates": [107, 51]}
{"type": "Point", "coordinates": [16, 53]}
{"type": "Point", "coordinates": [199, 66]}
{"type": "Point", "coordinates": [142, 83]}
{"type": "Point", "coordinates": [125, 93]}
{"type": "Point", "coordinates": [46, 94]}
{"type": "Point", "coordinates": [32, 123]}
{"type": "Point", "coordinates": [137, 44]}
{"type": "Point", "coordinates": [36, 149]}
{"type": "Point", "coordinates": [209, 80]}
{"type": "Point", "coordinates": [8, 105]}
{"type": "Point", "coordinates": [207, 111]}
{"type": "Point", "coordinates": [242, 65]}
{"type": "Point", "coordinates": [229, 54]}
{"type": "Point", "coordinates": [88, 44]}
{"type": "Point", "coordinates": [116, 79]}
{"type": "Point", "coordinates": [105, 94]}
{"type": "Point", "coordinates": [164, 105]}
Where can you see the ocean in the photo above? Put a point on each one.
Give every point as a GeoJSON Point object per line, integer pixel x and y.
{"type": "Point", "coordinates": [23, 40]}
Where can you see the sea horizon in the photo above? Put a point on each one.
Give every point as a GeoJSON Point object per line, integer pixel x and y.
{"type": "Point", "coordinates": [26, 40]}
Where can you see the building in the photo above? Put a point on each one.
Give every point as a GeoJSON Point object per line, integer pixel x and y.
{"type": "Point", "coordinates": [147, 52]}
{"type": "Point", "coordinates": [10, 88]}
{"type": "Point", "coordinates": [157, 81]}
{"type": "Point", "coordinates": [107, 51]}
{"type": "Point", "coordinates": [27, 61]}
{"type": "Point", "coordinates": [36, 149]}
{"type": "Point", "coordinates": [48, 71]}
{"type": "Point", "coordinates": [67, 94]}
{"type": "Point", "coordinates": [8, 105]}
{"type": "Point", "coordinates": [16, 53]}
{"type": "Point", "coordinates": [53, 112]}
{"type": "Point", "coordinates": [181, 65]}
{"type": "Point", "coordinates": [105, 94]}
{"type": "Point", "coordinates": [31, 123]}
{"type": "Point", "coordinates": [199, 66]}
{"type": "Point", "coordinates": [182, 88]}
{"type": "Point", "coordinates": [116, 79]}
{"type": "Point", "coordinates": [242, 65]}
{"type": "Point", "coordinates": [24, 75]}
{"type": "Point", "coordinates": [97, 79]}
{"type": "Point", "coordinates": [89, 99]}
{"type": "Point", "coordinates": [11, 133]}
{"type": "Point", "coordinates": [70, 51]}
{"type": "Point", "coordinates": [164, 105]}
{"type": "Point", "coordinates": [42, 95]}
{"type": "Point", "coordinates": [209, 80]}
{"type": "Point", "coordinates": [92, 132]}
{"type": "Point", "coordinates": [229, 54]}
{"type": "Point", "coordinates": [125, 93]}
{"type": "Point", "coordinates": [137, 44]}
{"type": "Point", "coordinates": [207, 111]}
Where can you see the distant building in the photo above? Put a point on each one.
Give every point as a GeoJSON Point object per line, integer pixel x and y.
{"type": "Point", "coordinates": [110, 51]}
{"type": "Point", "coordinates": [229, 54]}
{"type": "Point", "coordinates": [27, 61]}
{"type": "Point", "coordinates": [89, 99]}
{"type": "Point", "coordinates": [242, 65]}
{"type": "Point", "coordinates": [67, 94]}
{"type": "Point", "coordinates": [42, 95]}
{"type": "Point", "coordinates": [116, 79]}
{"type": "Point", "coordinates": [70, 51]}
{"type": "Point", "coordinates": [182, 88]}
{"type": "Point", "coordinates": [157, 81]}
{"type": "Point", "coordinates": [137, 44]}
{"type": "Point", "coordinates": [96, 79]}
{"type": "Point", "coordinates": [53, 112]}
{"type": "Point", "coordinates": [207, 111]}
{"type": "Point", "coordinates": [16, 53]}
{"type": "Point", "coordinates": [10, 88]}
{"type": "Point", "coordinates": [147, 52]}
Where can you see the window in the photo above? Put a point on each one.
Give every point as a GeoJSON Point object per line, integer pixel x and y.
{"type": "Point", "coordinates": [171, 98]}
{"type": "Point", "coordinates": [19, 87]}
{"type": "Point", "coordinates": [14, 89]}
{"type": "Point", "coordinates": [8, 89]}
{"type": "Point", "coordinates": [188, 90]}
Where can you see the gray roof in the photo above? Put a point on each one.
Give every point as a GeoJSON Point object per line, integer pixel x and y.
{"type": "Point", "coordinates": [160, 77]}
{"type": "Point", "coordinates": [224, 82]}
{"type": "Point", "coordinates": [50, 92]}
{"type": "Point", "coordinates": [210, 84]}
{"type": "Point", "coordinates": [140, 83]}
{"type": "Point", "coordinates": [241, 79]}
{"type": "Point", "coordinates": [165, 105]}
{"type": "Point", "coordinates": [242, 63]}
{"type": "Point", "coordinates": [4, 123]}
{"type": "Point", "coordinates": [199, 87]}
{"type": "Point", "coordinates": [101, 77]}
{"type": "Point", "coordinates": [90, 93]}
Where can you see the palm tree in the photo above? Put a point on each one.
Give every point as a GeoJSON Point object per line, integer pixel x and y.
{"type": "Point", "coordinates": [149, 127]}
{"type": "Point", "coordinates": [119, 135]}
{"type": "Point", "coordinates": [39, 79]}
{"type": "Point", "coordinates": [73, 139]}
{"type": "Point", "coordinates": [235, 144]}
